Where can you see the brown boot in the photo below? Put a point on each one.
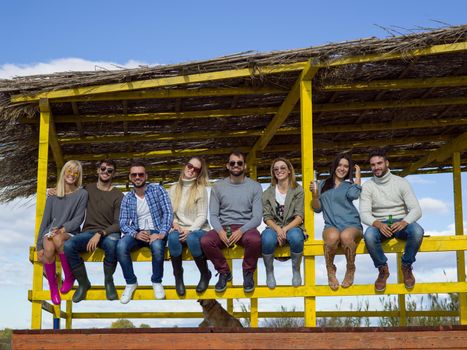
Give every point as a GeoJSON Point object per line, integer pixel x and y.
{"type": "Point", "coordinates": [380, 283]}
{"type": "Point", "coordinates": [350, 252]}
{"type": "Point", "coordinates": [409, 279]}
{"type": "Point", "coordinates": [329, 254]}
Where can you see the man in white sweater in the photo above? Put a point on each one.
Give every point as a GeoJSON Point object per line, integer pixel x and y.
{"type": "Point", "coordinates": [389, 207]}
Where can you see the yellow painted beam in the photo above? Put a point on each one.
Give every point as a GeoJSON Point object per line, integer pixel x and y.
{"type": "Point", "coordinates": [174, 93]}
{"type": "Point", "coordinates": [140, 137]}
{"type": "Point", "coordinates": [236, 291]}
{"type": "Point", "coordinates": [214, 113]}
{"type": "Point", "coordinates": [161, 82]}
{"type": "Point", "coordinates": [55, 146]}
{"type": "Point", "coordinates": [42, 161]}
{"type": "Point", "coordinates": [394, 125]}
{"type": "Point", "coordinates": [313, 247]}
{"type": "Point", "coordinates": [414, 103]}
{"type": "Point", "coordinates": [459, 225]}
{"type": "Point", "coordinates": [234, 73]}
{"type": "Point", "coordinates": [431, 50]}
{"type": "Point", "coordinates": [284, 110]}
{"type": "Point", "coordinates": [419, 83]}
{"type": "Point", "coordinates": [306, 124]}
{"type": "Point", "coordinates": [455, 145]}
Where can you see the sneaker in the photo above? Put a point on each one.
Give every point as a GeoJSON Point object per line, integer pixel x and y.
{"type": "Point", "coordinates": [158, 291]}
{"type": "Point", "coordinates": [409, 279]}
{"type": "Point", "coordinates": [128, 293]}
{"type": "Point", "coordinates": [248, 282]}
{"type": "Point", "coordinates": [221, 284]}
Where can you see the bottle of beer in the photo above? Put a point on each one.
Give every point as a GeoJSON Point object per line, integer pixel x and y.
{"type": "Point", "coordinates": [390, 221]}
{"type": "Point", "coordinates": [229, 231]}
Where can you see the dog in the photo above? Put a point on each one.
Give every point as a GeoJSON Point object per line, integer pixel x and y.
{"type": "Point", "coordinates": [216, 316]}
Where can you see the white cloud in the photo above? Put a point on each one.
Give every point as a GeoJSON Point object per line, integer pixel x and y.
{"type": "Point", "coordinates": [434, 206]}
{"type": "Point", "coordinates": [420, 180]}
{"type": "Point", "coordinates": [8, 71]}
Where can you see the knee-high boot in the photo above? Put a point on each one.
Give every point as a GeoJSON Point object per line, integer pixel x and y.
{"type": "Point", "coordinates": [296, 263]}
{"type": "Point", "coordinates": [83, 283]}
{"type": "Point", "coordinates": [110, 292]}
{"type": "Point", "coordinates": [329, 254]}
{"type": "Point", "coordinates": [178, 274]}
{"type": "Point", "coordinates": [69, 278]}
{"type": "Point", "coordinates": [269, 264]}
{"type": "Point", "coordinates": [50, 270]}
{"type": "Point", "coordinates": [205, 277]}
{"type": "Point", "coordinates": [350, 253]}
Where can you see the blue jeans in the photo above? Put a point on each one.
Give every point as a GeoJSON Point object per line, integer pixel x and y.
{"type": "Point", "coordinates": [294, 236]}
{"type": "Point", "coordinates": [127, 244]}
{"type": "Point", "coordinates": [78, 243]}
{"type": "Point", "coordinates": [193, 241]}
{"type": "Point", "coordinates": [413, 234]}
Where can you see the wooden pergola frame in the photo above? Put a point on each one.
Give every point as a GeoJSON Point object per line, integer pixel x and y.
{"type": "Point", "coordinates": [300, 92]}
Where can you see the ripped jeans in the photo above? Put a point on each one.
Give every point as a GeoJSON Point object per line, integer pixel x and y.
{"type": "Point", "coordinates": [78, 243]}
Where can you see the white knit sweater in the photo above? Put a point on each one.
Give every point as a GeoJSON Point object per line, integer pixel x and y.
{"type": "Point", "coordinates": [195, 218]}
{"type": "Point", "coordinates": [388, 195]}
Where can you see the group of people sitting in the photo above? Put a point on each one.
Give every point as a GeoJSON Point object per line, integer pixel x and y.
{"type": "Point", "coordinates": [149, 216]}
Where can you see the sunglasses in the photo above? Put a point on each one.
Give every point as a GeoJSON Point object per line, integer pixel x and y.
{"type": "Point", "coordinates": [190, 166]}
{"type": "Point", "coordinates": [69, 172]}
{"type": "Point", "coordinates": [283, 167]}
{"type": "Point", "coordinates": [233, 163]}
{"type": "Point", "coordinates": [107, 170]}
{"type": "Point", "coordinates": [136, 175]}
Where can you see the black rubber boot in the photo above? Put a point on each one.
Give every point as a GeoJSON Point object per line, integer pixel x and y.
{"type": "Point", "coordinates": [178, 273]}
{"type": "Point", "coordinates": [83, 283]}
{"type": "Point", "coordinates": [110, 291]}
{"type": "Point", "coordinates": [205, 277]}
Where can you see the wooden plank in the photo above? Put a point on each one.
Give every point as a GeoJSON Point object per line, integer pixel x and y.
{"type": "Point", "coordinates": [366, 338]}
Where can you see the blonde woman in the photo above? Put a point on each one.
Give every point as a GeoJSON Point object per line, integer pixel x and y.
{"type": "Point", "coordinates": [189, 199]}
{"type": "Point", "coordinates": [283, 214]}
{"type": "Point", "coordinates": [62, 218]}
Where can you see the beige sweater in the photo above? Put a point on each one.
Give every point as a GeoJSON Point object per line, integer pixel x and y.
{"type": "Point", "coordinates": [193, 218]}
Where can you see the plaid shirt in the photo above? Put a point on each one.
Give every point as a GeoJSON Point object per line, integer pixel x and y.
{"type": "Point", "coordinates": [159, 207]}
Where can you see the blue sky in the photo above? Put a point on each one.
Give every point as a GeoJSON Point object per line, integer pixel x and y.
{"type": "Point", "coordinates": [48, 36]}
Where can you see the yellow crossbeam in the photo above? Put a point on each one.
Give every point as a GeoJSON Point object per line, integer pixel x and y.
{"type": "Point", "coordinates": [214, 113]}
{"type": "Point", "coordinates": [236, 292]}
{"type": "Point", "coordinates": [162, 82]}
{"type": "Point", "coordinates": [431, 50]}
{"type": "Point", "coordinates": [423, 83]}
{"type": "Point", "coordinates": [455, 145]}
{"type": "Point", "coordinates": [414, 103]}
{"type": "Point", "coordinates": [174, 93]}
{"type": "Point", "coordinates": [234, 73]}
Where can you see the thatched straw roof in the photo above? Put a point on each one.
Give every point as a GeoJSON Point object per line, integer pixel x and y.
{"type": "Point", "coordinates": [356, 106]}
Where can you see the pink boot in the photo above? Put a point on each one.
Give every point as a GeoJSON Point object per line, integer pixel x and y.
{"type": "Point", "coordinates": [50, 270]}
{"type": "Point", "coordinates": [69, 278]}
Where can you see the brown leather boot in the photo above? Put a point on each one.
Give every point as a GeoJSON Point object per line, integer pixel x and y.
{"type": "Point", "coordinates": [409, 279]}
{"type": "Point", "coordinates": [350, 253]}
{"type": "Point", "coordinates": [329, 254]}
{"type": "Point", "coordinates": [380, 283]}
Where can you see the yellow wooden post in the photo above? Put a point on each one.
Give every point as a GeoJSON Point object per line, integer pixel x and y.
{"type": "Point", "coordinates": [37, 285]}
{"type": "Point", "coordinates": [458, 215]}
{"type": "Point", "coordinates": [401, 297]}
{"type": "Point", "coordinates": [254, 322]}
{"type": "Point", "coordinates": [69, 314]}
{"type": "Point", "coordinates": [306, 119]}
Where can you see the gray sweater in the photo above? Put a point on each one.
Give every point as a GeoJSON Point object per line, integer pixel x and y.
{"type": "Point", "coordinates": [236, 204]}
{"type": "Point", "coordinates": [68, 211]}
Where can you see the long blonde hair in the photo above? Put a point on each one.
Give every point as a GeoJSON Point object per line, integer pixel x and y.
{"type": "Point", "coordinates": [72, 165]}
{"type": "Point", "coordinates": [292, 180]}
{"type": "Point", "coordinates": [196, 189]}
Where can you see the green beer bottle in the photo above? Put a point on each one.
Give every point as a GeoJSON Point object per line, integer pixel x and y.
{"type": "Point", "coordinates": [229, 231]}
{"type": "Point", "coordinates": [390, 221]}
